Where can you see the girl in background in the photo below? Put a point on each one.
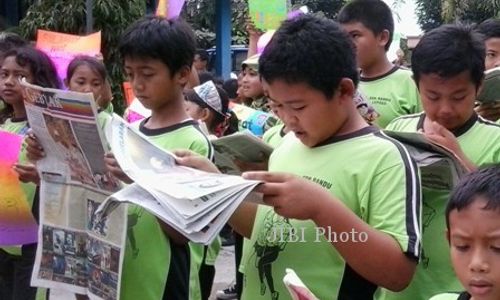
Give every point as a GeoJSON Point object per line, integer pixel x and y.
{"type": "Point", "coordinates": [16, 263]}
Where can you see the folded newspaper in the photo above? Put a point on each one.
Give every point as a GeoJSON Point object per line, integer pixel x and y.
{"type": "Point", "coordinates": [490, 91]}
{"type": "Point", "coordinates": [243, 146]}
{"type": "Point", "coordinates": [297, 289]}
{"type": "Point", "coordinates": [195, 203]}
{"type": "Point", "coordinates": [75, 252]}
{"type": "Point", "coordinates": [440, 168]}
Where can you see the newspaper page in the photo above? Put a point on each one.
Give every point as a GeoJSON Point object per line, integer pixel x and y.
{"type": "Point", "coordinates": [439, 168]}
{"type": "Point", "coordinates": [155, 169]}
{"type": "Point", "coordinates": [76, 251]}
{"type": "Point", "coordinates": [196, 203]}
{"type": "Point", "coordinates": [243, 146]}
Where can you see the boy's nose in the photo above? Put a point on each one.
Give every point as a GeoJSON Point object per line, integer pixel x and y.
{"type": "Point", "coordinates": [478, 262]}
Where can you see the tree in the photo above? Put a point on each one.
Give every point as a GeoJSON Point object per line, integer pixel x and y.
{"type": "Point", "coordinates": [433, 13]}
{"type": "Point", "coordinates": [201, 15]}
{"type": "Point", "coordinates": [110, 16]}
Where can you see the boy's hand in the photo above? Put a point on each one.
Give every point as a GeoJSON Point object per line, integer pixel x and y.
{"type": "Point", "coordinates": [34, 149]}
{"type": "Point", "coordinates": [253, 32]}
{"type": "Point", "coordinates": [489, 111]}
{"type": "Point", "coordinates": [442, 136]}
{"type": "Point", "coordinates": [291, 196]}
{"type": "Point", "coordinates": [192, 160]}
{"type": "Point", "coordinates": [436, 133]}
{"type": "Point", "coordinates": [115, 169]}
{"type": "Point", "coordinates": [27, 173]}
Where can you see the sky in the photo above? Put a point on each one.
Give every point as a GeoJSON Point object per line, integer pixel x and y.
{"type": "Point", "coordinates": [408, 20]}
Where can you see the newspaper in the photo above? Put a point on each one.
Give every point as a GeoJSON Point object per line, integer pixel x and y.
{"type": "Point", "coordinates": [297, 289]}
{"type": "Point", "coordinates": [243, 146]}
{"type": "Point", "coordinates": [195, 203]}
{"type": "Point", "coordinates": [440, 168]}
{"type": "Point", "coordinates": [76, 251]}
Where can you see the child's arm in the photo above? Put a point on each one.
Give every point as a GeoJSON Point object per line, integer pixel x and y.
{"type": "Point", "coordinates": [442, 136]}
{"type": "Point", "coordinates": [379, 259]}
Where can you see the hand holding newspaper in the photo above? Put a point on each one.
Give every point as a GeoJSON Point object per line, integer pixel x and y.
{"type": "Point", "coordinates": [75, 252]}
{"type": "Point", "coordinates": [439, 167]}
{"type": "Point", "coordinates": [195, 203]}
{"type": "Point", "coordinates": [243, 146]}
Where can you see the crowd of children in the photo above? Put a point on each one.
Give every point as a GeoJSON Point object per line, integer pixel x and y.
{"type": "Point", "coordinates": [326, 91]}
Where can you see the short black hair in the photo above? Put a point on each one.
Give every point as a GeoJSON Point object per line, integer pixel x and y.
{"type": "Point", "coordinates": [484, 183]}
{"type": "Point", "coordinates": [310, 50]}
{"type": "Point", "coordinates": [448, 51]}
{"type": "Point", "coordinates": [171, 41]}
{"type": "Point", "coordinates": [203, 54]}
{"type": "Point", "coordinates": [375, 15]}
{"type": "Point", "coordinates": [231, 88]}
{"type": "Point", "coordinates": [489, 28]}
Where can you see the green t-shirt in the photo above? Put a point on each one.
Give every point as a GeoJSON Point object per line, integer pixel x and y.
{"type": "Point", "coordinates": [393, 94]}
{"type": "Point", "coordinates": [373, 176]}
{"type": "Point", "coordinates": [480, 141]}
{"type": "Point", "coordinates": [20, 127]}
{"type": "Point", "coordinates": [147, 254]}
{"type": "Point", "coordinates": [452, 296]}
{"type": "Point", "coordinates": [274, 135]}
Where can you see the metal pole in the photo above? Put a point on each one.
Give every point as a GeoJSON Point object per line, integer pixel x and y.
{"type": "Point", "coordinates": [89, 17]}
{"type": "Point", "coordinates": [223, 38]}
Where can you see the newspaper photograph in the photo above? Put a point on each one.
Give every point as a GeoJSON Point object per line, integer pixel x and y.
{"type": "Point", "coordinates": [77, 251]}
{"type": "Point", "coordinates": [195, 203]}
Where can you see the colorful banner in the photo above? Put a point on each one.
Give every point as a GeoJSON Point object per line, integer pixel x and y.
{"type": "Point", "coordinates": [267, 14]}
{"type": "Point", "coordinates": [17, 224]}
{"type": "Point", "coordinates": [63, 47]}
{"type": "Point", "coordinates": [169, 9]}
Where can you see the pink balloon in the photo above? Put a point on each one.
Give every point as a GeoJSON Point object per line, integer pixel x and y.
{"type": "Point", "coordinates": [264, 40]}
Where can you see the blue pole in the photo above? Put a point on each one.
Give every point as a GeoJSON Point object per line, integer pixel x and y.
{"type": "Point", "coordinates": [223, 38]}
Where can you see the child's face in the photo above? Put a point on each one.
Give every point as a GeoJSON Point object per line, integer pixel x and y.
{"type": "Point", "coordinates": [450, 102]}
{"type": "Point", "coordinates": [152, 82]}
{"type": "Point", "coordinates": [368, 45]}
{"type": "Point", "coordinates": [86, 80]}
{"type": "Point", "coordinates": [492, 53]}
{"type": "Point", "coordinates": [474, 237]}
{"type": "Point", "coordinates": [10, 74]}
{"type": "Point", "coordinates": [307, 111]}
{"type": "Point", "coordinates": [251, 86]}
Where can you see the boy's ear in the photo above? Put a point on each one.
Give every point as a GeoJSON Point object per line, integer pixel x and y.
{"type": "Point", "coordinates": [182, 76]}
{"type": "Point", "coordinates": [66, 82]}
{"type": "Point", "coordinates": [383, 38]}
{"type": "Point", "coordinates": [447, 234]}
{"type": "Point", "coordinates": [346, 89]}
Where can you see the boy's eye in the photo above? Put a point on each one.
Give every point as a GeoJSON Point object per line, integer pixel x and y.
{"type": "Point", "coordinates": [461, 248]}
{"type": "Point", "coordinates": [298, 108]}
{"type": "Point", "coordinates": [496, 248]}
{"type": "Point", "coordinates": [491, 55]}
